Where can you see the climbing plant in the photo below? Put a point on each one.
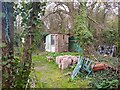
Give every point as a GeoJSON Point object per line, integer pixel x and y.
{"type": "Point", "coordinates": [7, 45]}
{"type": "Point", "coordinates": [16, 70]}
{"type": "Point", "coordinates": [30, 13]}
{"type": "Point", "coordinates": [110, 36]}
{"type": "Point", "coordinates": [82, 33]}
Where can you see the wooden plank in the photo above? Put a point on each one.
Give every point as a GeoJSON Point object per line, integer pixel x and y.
{"type": "Point", "coordinates": [77, 68]}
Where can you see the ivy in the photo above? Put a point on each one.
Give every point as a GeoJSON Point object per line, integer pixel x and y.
{"type": "Point", "coordinates": [32, 29]}
{"type": "Point", "coordinates": [110, 36]}
{"type": "Point", "coordinates": [82, 33]}
{"type": "Point", "coordinates": [3, 45]}
{"type": "Point", "coordinates": [105, 79]}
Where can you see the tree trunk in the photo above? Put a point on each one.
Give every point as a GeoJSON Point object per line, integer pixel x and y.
{"type": "Point", "coordinates": [7, 41]}
{"type": "Point", "coordinates": [27, 53]}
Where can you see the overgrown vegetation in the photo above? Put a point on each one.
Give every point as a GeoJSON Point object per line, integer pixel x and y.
{"type": "Point", "coordinates": [17, 67]}
{"type": "Point", "coordinates": [105, 79]}
{"type": "Point", "coordinates": [82, 33]}
{"type": "Point", "coordinates": [110, 36]}
{"type": "Point", "coordinates": [51, 76]}
{"type": "Point", "coordinates": [16, 70]}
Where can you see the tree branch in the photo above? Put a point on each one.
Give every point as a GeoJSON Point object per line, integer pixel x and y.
{"type": "Point", "coordinates": [100, 26]}
{"type": "Point", "coordinates": [63, 11]}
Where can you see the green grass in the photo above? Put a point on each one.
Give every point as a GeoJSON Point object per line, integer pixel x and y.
{"type": "Point", "coordinates": [50, 76]}
{"type": "Point", "coordinates": [55, 54]}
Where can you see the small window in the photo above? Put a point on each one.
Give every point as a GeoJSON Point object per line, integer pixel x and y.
{"type": "Point", "coordinates": [52, 39]}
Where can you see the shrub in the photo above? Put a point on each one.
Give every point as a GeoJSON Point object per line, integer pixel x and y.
{"type": "Point", "coordinates": [110, 36]}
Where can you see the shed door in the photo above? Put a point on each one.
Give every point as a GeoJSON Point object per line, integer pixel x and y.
{"type": "Point", "coordinates": [74, 46]}
{"type": "Point", "coordinates": [48, 43]}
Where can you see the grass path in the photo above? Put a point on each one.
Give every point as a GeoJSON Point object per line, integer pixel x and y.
{"type": "Point", "coordinates": [51, 76]}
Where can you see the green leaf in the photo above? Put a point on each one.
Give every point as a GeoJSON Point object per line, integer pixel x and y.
{"type": "Point", "coordinates": [8, 65]}
{"type": "Point", "coordinates": [3, 45]}
{"type": "Point", "coordinates": [4, 62]}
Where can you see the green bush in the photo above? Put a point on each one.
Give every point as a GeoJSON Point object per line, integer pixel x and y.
{"type": "Point", "coordinates": [83, 35]}
{"type": "Point", "coordinates": [110, 36]}
{"type": "Point", "coordinates": [105, 79]}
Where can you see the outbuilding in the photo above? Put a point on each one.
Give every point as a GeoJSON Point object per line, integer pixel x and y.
{"type": "Point", "coordinates": [57, 43]}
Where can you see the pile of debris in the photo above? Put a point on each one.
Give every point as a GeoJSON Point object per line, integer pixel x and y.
{"type": "Point", "coordinates": [66, 61]}
{"type": "Point", "coordinates": [106, 50]}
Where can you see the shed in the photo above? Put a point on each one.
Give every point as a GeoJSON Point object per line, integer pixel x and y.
{"type": "Point", "coordinates": [57, 43]}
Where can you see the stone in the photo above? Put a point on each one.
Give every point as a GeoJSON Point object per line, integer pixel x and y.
{"type": "Point", "coordinates": [58, 59]}
{"type": "Point", "coordinates": [74, 59]}
{"type": "Point", "coordinates": [65, 61]}
{"type": "Point", "coordinates": [49, 58]}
